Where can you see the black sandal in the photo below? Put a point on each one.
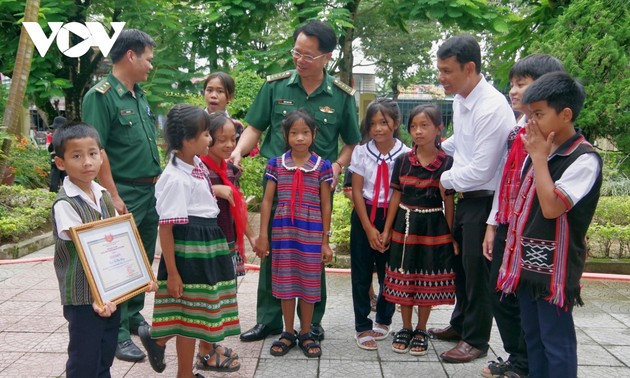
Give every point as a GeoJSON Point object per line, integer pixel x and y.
{"type": "Point", "coordinates": [155, 352]}
{"type": "Point", "coordinates": [420, 340]}
{"type": "Point", "coordinates": [402, 337]}
{"type": "Point", "coordinates": [312, 345]}
{"type": "Point", "coordinates": [292, 337]}
{"type": "Point", "coordinates": [225, 366]}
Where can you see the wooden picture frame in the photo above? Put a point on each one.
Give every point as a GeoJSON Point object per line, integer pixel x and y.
{"type": "Point", "coordinates": [113, 258]}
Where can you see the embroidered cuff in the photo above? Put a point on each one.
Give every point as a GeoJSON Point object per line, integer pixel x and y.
{"type": "Point", "coordinates": [564, 197]}
{"type": "Point", "coordinates": [174, 220]}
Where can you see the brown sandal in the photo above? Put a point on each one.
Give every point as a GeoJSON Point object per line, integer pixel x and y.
{"type": "Point", "coordinates": [206, 363]}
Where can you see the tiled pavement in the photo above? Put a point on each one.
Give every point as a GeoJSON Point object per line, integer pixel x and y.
{"type": "Point", "coordinates": [33, 334]}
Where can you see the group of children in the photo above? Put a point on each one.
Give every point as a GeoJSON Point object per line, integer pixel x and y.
{"type": "Point", "coordinates": [203, 223]}
{"type": "Point", "coordinates": [400, 226]}
{"type": "Point", "coordinates": [402, 221]}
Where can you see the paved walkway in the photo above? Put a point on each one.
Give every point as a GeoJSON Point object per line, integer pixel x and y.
{"type": "Point", "coordinates": [33, 334]}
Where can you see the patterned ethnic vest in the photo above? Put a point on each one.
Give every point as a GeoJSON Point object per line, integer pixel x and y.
{"type": "Point", "coordinates": [546, 256]}
{"type": "Point", "coordinates": [73, 285]}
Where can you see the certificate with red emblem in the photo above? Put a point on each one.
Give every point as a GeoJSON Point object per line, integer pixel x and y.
{"type": "Point", "coordinates": [113, 258]}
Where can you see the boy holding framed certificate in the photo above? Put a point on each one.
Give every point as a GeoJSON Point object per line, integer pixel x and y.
{"type": "Point", "coordinates": [93, 329]}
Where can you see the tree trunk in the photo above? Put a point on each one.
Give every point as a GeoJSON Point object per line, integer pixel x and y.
{"type": "Point", "coordinates": [18, 83]}
{"type": "Point", "coordinates": [347, 57]}
{"type": "Point", "coordinates": [394, 88]}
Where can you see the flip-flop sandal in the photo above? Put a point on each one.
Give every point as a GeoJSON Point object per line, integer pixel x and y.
{"type": "Point", "coordinates": [285, 348]}
{"type": "Point", "coordinates": [361, 340]}
{"type": "Point", "coordinates": [402, 337]}
{"type": "Point", "coordinates": [312, 345]}
{"type": "Point", "coordinates": [218, 366]}
{"type": "Point", "coordinates": [382, 330]}
{"type": "Point", "coordinates": [420, 340]}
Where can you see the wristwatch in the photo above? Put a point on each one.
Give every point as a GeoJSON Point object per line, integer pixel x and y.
{"type": "Point", "coordinates": [329, 233]}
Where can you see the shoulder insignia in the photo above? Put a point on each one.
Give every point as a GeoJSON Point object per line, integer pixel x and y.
{"type": "Point", "coordinates": [103, 87]}
{"type": "Point", "coordinates": [344, 87]}
{"type": "Point", "coordinates": [278, 76]}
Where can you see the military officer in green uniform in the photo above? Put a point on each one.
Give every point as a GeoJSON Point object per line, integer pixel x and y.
{"type": "Point", "coordinates": [118, 109]}
{"type": "Point", "coordinates": [332, 104]}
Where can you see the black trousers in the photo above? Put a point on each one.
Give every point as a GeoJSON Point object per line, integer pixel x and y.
{"type": "Point", "coordinates": [506, 309]}
{"type": "Point", "coordinates": [472, 316]}
{"type": "Point", "coordinates": [362, 261]}
{"type": "Point", "coordinates": [92, 343]}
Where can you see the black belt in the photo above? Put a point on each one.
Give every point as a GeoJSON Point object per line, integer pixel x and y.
{"type": "Point", "coordinates": [141, 180]}
{"type": "Point", "coordinates": [476, 194]}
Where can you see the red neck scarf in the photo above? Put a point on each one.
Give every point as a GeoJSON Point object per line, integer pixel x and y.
{"type": "Point", "coordinates": [511, 179]}
{"type": "Point", "coordinates": [382, 179]}
{"type": "Point", "coordinates": [298, 191]}
{"type": "Point", "coordinates": [239, 210]}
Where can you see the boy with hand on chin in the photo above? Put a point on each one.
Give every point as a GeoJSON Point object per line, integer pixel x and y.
{"type": "Point", "coordinates": [93, 330]}
{"type": "Point", "coordinates": [505, 308]}
{"type": "Point", "coordinates": [546, 248]}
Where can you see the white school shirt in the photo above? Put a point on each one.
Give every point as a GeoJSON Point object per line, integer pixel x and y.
{"type": "Point", "coordinates": [66, 216]}
{"type": "Point", "coordinates": [179, 194]}
{"type": "Point", "coordinates": [364, 162]}
{"type": "Point", "coordinates": [579, 177]}
{"type": "Point", "coordinates": [481, 124]}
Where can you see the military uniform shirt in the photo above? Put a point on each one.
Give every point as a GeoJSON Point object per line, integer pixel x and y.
{"type": "Point", "coordinates": [126, 127]}
{"type": "Point", "coordinates": [332, 106]}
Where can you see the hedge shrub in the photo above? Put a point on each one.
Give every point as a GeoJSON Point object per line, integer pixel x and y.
{"type": "Point", "coordinates": [609, 233]}
{"type": "Point", "coordinates": [23, 211]}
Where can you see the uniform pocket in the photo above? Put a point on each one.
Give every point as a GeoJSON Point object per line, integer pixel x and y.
{"type": "Point", "coordinates": [281, 110]}
{"type": "Point", "coordinates": [324, 119]}
{"type": "Point", "coordinates": [130, 127]}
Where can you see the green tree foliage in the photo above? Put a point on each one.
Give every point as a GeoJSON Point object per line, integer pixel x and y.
{"type": "Point", "coordinates": [226, 33]}
{"type": "Point", "coordinates": [529, 19]}
{"type": "Point", "coordinates": [465, 14]}
{"type": "Point", "coordinates": [269, 50]}
{"type": "Point", "coordinates": [591, 38]}
{"type": "Point", "coordinates": [184, 32]}
{"type": "Point", "coordinates": [401, 56]}
{"type": "Point", "coordinates": [247, 84]}
{"type": "Point", "coordinates": [53, 75]}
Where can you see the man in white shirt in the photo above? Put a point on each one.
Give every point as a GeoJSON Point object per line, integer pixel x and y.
{"type": "Point", "coordinates": [482, 119]}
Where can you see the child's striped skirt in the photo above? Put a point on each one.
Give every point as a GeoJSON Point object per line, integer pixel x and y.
{"type": "Point", "coordinates": [207, 310]}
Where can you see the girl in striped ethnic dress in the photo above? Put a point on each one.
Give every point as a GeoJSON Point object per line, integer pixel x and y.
{"type": "Point", "coordinates": [300, 229]}
{"type": "Point", "coordinates": [196, 298]}
{"type": "Point", "coordinates": [419, 218]}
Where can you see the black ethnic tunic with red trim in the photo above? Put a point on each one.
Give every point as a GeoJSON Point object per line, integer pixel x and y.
{"type": "Point", "coordinates": [420, 268]}
{"type": "Point", "coordinates": [546, 256]}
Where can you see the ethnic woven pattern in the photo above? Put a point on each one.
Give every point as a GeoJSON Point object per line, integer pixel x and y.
{"type": "Point", "coordinates": [296, 236]}
{"type": "Point", "coordinates": [423, 288]}
{"type": "Point", "coordinates": [538, 255]}
{"type": "Point", "coordinates": [205, 312]}
{"type": "Point", "coordinates": [420, 267]}
{"type": "Point", "coordinates": [207, 309]}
